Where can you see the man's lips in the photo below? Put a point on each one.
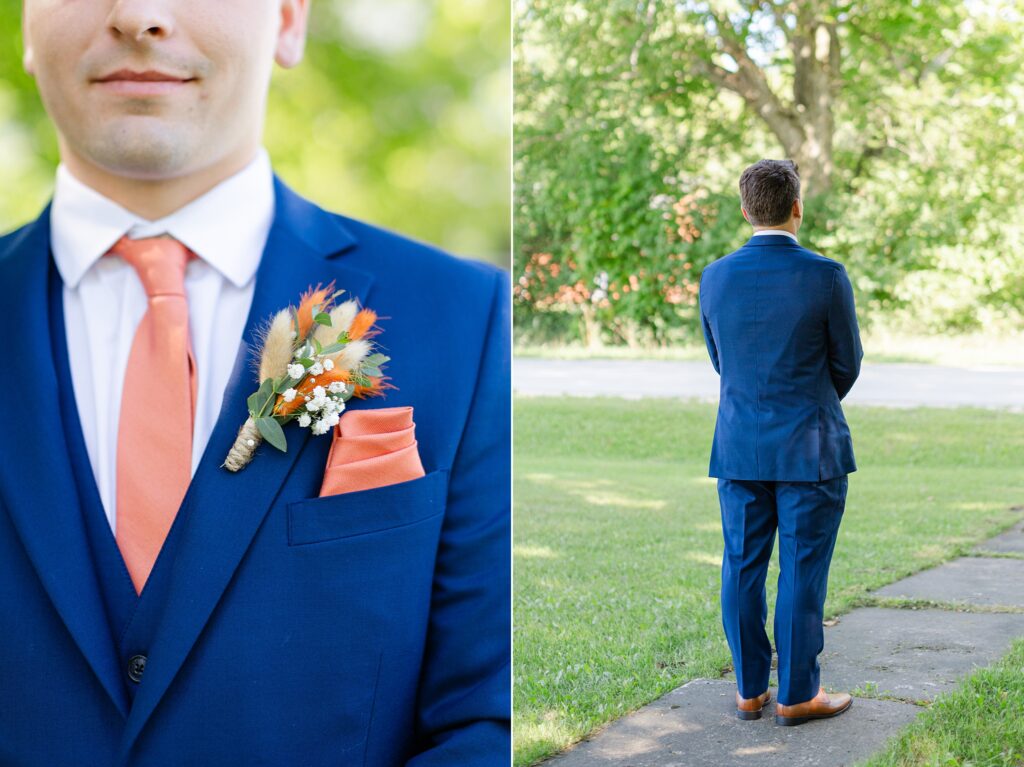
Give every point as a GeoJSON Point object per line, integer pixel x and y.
{"type": "Point", "coordinates": [147, 83]}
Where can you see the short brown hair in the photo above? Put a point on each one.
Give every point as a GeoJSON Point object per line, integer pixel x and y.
{"type": "Point", "coordinates": [768, 189]}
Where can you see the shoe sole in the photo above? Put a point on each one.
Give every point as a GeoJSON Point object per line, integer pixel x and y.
{"type": "Point", "coordinates": [748, 716]}
{"type": "Point", "coordinates": [792, 721]}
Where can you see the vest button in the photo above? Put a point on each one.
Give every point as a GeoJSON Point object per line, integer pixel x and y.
{"type": "Point", "coordinates": [136, 665]}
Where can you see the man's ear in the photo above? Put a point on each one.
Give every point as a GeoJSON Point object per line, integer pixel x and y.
{"type": "Point", "coordinates": [798, 208]}
{"type": "Point", "coordinates": [291, 38]}
{"type": "Point", "coordinates": [745, 216]}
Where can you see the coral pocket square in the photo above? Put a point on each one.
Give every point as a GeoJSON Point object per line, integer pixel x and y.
{"type": "Point", "coordinates": [372, 448]}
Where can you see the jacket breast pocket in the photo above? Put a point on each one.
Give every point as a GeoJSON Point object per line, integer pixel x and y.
{"type": "Point", "coordinates": [363, 512]}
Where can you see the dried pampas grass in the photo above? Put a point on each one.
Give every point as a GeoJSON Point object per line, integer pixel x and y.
{"type": "Point", "coordinates": [352, 355]}
{"type": "Point", "coordinates": [341, 319]}
{"type": "Point", "coordinates": [277, 346]}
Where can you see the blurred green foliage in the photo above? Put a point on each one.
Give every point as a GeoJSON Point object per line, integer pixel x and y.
{"type": "Point", "coordinates": [399, 115]}
{"type": "Point", "coordinates": [634, 120]}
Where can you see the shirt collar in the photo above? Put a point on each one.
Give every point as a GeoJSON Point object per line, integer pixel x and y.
{"type": "Point", "coordinates": [783, 232]}
{"type": "Point", "coordinates": [226, 226]}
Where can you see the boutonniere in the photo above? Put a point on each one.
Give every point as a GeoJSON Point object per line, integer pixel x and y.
{"type": "Point", "coordinates": [312, 361]}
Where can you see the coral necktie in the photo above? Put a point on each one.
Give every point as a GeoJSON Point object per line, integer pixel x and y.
{"type": "Point", "coordinates": [154, 435]}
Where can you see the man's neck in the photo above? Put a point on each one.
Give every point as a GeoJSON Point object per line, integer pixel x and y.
{"type": "Point", "coordinates": [784, 228]}
{"type": "Point", "coordinates": [153, 199]}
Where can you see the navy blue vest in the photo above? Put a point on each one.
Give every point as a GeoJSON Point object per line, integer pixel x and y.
{"type": "Point", "coordinates": [133, 618]}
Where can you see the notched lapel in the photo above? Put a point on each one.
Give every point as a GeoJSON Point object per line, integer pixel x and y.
{"type": "Point", "coordinates": [226, 509]}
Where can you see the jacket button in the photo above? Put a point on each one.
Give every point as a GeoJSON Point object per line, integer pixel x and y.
{"type": "Point", "coordinates": [136, 665]}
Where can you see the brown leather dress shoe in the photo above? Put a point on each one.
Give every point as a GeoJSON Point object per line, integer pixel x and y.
{"type": "Point", "coordinates": [821, 706]}
{"type": "Point", "coordinates": [750, 708]}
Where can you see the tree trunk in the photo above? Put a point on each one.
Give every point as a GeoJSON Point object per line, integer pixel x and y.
{"type": "Point", "coordinates": [803, 124]}
{"type": "Point", "coordinates": [816, 56]}
{"type": "Point", "coordinates": [590, 326]}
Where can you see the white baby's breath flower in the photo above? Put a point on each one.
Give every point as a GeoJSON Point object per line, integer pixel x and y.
{"type": "Point", "coordinates": [336, 387]}
{"type": "Point", "coordinates": [328, 364]}
{"type": "Point", "coordinates": [289, 395]}
{"type": "Point", "coordinates": [295, 370]}
{"type": "Point", "coordinates": [319, 392]}
{"type": "Point", "coordinates": [332, 419]}
{"type": "Point", "coordinates": [319, 402]}
{"type": "Point", "coordinates": [316, 368]}
{"type": "Point", "coordinates": [304, 420]}
{"type": "Point", "coordinates": [320, 427]}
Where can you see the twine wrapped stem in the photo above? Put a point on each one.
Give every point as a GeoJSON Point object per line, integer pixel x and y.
{"type": "Point", "coordinates": [246, 442]}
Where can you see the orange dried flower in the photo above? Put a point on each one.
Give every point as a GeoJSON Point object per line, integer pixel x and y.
{"type": "Point", "coordinates": [305, 389]}
{"type": "Point", "coordinates": [309, 299]}
{"type": "Point", "coordinates": [375, 389]}
{"type": "Point", "coordinates": [362, 324]}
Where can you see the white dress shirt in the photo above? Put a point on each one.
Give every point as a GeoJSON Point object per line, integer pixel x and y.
{"type": "Point", "coordinates": [776, 231]}
{"type": "Point", "coordinates": [104, 300]}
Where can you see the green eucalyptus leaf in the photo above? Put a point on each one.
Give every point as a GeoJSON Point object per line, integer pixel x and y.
{"type": "Point", "coordinates": [272, 433]}
{"type": "Point", "coordinates": [258, 401]}
{"type": "Point", "coordinates": [323, 318]}
{"type": "Point", "coordinates": [284, 383]}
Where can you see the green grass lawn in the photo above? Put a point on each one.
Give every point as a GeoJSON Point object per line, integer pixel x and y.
{"type": "Point", "coordinates": [618, 541]}
{"type": "Point", "coordinates": [980, 724]}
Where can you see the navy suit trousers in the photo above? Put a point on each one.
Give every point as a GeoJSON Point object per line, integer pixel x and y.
{"type": "Point", "coordinates": [806, 516]}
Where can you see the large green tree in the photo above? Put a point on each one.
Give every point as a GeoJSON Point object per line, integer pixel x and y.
{"type": "Point", "coordinates": [634, 120]}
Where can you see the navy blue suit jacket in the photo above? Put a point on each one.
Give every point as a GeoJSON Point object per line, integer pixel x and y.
{"type": "Point", "coordinates": [781, 329]}
{"type": "Point", "coordinates": [367, 628]}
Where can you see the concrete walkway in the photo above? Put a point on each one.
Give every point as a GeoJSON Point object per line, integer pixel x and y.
{"type": "Point", "coordinates": [890, 384]}
{"type": "Point", "coordinates": [893, 660]}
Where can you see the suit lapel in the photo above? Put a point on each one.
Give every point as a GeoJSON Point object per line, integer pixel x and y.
{"type": "Point", "coordinates": [40, 491]}
{"type": "Point", "coordinates": [225, 509]}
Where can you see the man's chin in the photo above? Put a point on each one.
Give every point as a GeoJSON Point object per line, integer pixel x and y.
{"type": "Point", "coordinates": [143, 154]}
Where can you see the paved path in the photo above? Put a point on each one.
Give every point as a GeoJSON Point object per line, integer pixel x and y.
{"type": "Point", "coordinates": [889, 384]}
{"type": "Point", "coordinates": [892, 659]}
